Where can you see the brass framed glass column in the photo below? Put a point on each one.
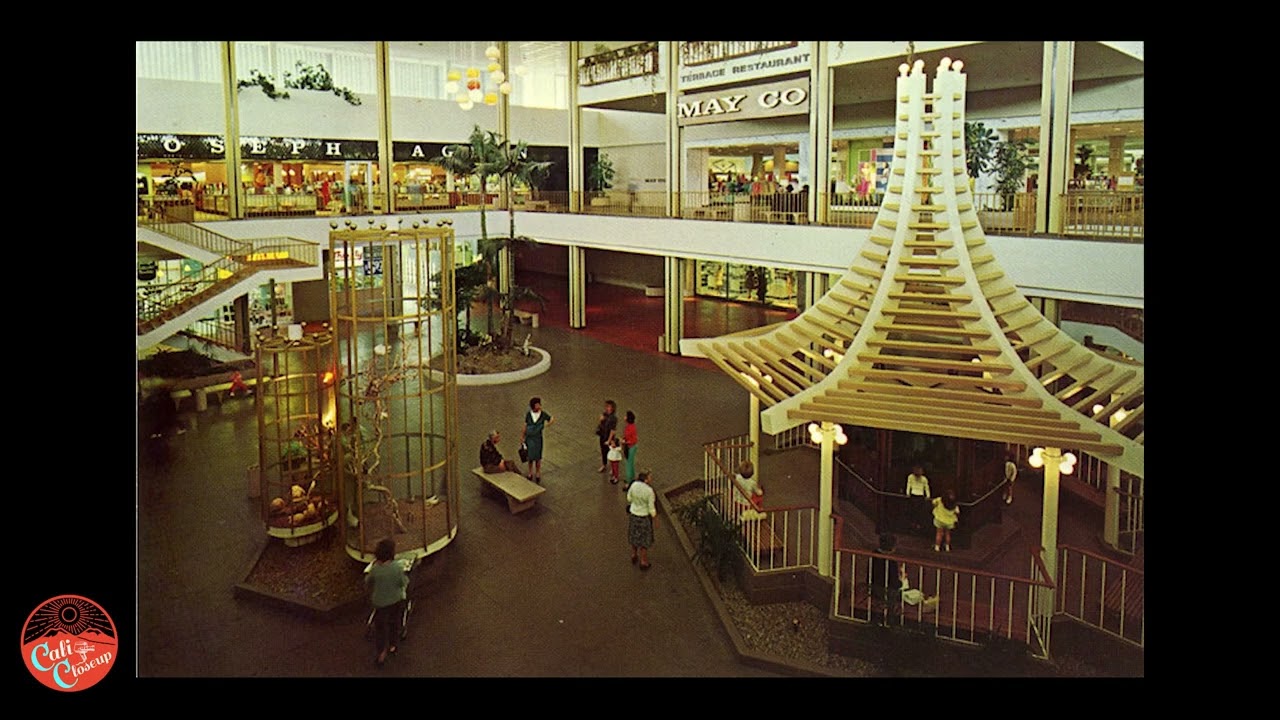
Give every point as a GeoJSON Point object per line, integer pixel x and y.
{"type": "Point", "coordinates": [294, 403]}
{"type": "Point", "coordinates": [395, 322]}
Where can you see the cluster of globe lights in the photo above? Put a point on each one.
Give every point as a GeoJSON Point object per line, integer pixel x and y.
{"type": "Point", "coordinates": [470, 91]}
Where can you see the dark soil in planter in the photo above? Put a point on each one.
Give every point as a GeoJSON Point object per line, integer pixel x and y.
{"type": "Point", "coordinates": [320, 576]}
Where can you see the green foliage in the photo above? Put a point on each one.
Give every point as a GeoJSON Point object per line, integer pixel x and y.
{"type": "Point", "coordinates": [310, 77]}
{"type": "Point", "coordinates": [979, 144]}
{"type": "Point", "coordinates": [487, 155]}
{"type": "Point", "coordinates": [1012, 160]}
{"type": "Point", "coordinates": [718, 536]}
{"type": "Point", "coordinates": [600, 174]}
{"type": "Point", "coordinates": [1084, 154]}
{"type": "Point", "coordinates": [266, 82]}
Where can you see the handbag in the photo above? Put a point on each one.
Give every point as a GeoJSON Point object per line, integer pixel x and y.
{"type": "Point", "coordinates": [524, 452]}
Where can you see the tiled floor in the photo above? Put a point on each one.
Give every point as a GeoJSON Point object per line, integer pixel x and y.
{"type": "Point", "coordinates": [548, 592]}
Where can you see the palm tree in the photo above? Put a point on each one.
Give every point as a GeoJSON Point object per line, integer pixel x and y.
{"type": "Point", "coordinates": [488, 155]}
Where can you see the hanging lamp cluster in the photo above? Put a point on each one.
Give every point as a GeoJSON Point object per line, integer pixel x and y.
{"type": "Point", "coordinates": [473, 85]}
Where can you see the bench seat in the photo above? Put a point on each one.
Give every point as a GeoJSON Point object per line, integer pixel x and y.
{"type": "Point", "coordinates": [521, 494]}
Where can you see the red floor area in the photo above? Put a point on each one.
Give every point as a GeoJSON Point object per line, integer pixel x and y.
{"type": "Point", "coordinates": [627, 317]}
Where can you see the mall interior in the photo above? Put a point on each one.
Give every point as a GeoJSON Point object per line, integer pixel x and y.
{"type": "Point", "coordinates": [674, 191]}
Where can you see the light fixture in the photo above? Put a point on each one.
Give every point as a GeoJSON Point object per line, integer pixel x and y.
{"type": "Point", "coordinates": [1066, 462]}
{"type": "Point", "coordinates": [492, 52]}
{"type": "Point", "coordinates": [505, 88]}
{"type": "Point", "coordinates": [497, 76]}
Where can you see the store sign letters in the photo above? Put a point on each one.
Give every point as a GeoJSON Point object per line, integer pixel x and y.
{"type": "Point", "coordinates": [760, 101]}
{"type": "Point", "coordinates": [213, 147]}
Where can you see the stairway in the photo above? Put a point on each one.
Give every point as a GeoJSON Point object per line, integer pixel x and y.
{"type": "Point", "coordinates": [242, 266]}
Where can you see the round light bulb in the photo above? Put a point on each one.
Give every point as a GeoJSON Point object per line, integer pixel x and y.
{"type": "Point", "coordinates": [467, 105]}
{"type": "Point", "coordinates": [492, 52]}
{"type": "Point", "coordinates": [493, 67]}
{"type": "Point", "coordinates": [379, 349]}
{"type": "Point", "coordinates": [505, 88]}
{"type": "Point", "coordinates": [498, 76]}
{"type": "Point", "coordinates": [491, 98]}
{"type": "Point", "coordinates": [1035, 461]}
{"type": "Point", "coordinates": [813, 428]}
{"type": "Point", "coordinates": [472, 73]}
{"type": "Point", "coordinates": [453, 76]}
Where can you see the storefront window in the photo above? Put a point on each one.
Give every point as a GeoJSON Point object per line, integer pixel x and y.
{"type": "Point", "coordinates": [774, 287]}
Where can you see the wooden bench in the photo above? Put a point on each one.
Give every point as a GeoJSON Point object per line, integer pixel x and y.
{"type": "Point", "coordinates": [521, 494]}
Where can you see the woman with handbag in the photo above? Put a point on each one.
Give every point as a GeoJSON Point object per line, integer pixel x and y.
{"type": "Point", "coordinates": [535, 420]}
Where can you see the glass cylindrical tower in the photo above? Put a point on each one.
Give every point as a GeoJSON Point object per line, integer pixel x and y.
{"type": "Point", "coordinates": [295, 434]}
{"type": "Point", "coordinates": [394, 316]}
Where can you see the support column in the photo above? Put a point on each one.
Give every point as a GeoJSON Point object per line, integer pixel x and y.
{"type": "Point", "coordinates": [814, 286]}
{"type": "Point", "coordinates": [674, 171]}
{"type": "Point", "coordinates": [575, 144]}
{"type": "Point", "coordinates": [673, 304]}
{"type": "Point", "coordinates": [1055, 133]}
{"type": "Point", "coordinates": [754, 453]}
{"type": "Point", "coordinates": [1115, 156]}
{"type": "Point", "coordinates": [231, 102]}
{"type": "Point", "coordinates": [825, 484]}
{"type": "Point", "coordinates": [577, 287]}
{"type": "Point", "coordinates": [1049, 523]}
{"type": "Point", "coordinates": [386, 182]}
{"type": "Point", "coordinates": [1111, 511]}
{"type": "Point", "coordinates": [821, 107]}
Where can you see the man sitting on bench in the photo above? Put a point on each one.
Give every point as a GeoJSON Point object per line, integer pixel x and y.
{"type": "Point", "coordinates": [491, 460]}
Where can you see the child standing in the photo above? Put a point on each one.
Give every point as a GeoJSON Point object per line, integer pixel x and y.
{"type": "Point", "coordinates": [615, 458]}
{"type": "Point", "coordinates": [946, 513]}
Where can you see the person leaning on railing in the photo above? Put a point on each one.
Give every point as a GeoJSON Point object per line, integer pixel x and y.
{"type": "Point", "coordinates": [747, 493]}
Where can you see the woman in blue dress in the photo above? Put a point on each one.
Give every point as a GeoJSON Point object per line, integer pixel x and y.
{"type": "Point", "coordinates": [534, 421]}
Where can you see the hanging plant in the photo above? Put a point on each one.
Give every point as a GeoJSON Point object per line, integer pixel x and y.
{"type": "Point", "coordinates": [310, 77]}
{"type": "Point", "coordinates": [266, 82]}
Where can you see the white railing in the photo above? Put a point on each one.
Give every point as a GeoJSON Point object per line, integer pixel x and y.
{"type": "Point", "coordinates": [772, 538]}
{"type": "Point", "coordinates": [1103, 594]}
{"type": "Point", "coordinates": [973, 607]}
{"type": "Point", "coordinates": [795, 437]}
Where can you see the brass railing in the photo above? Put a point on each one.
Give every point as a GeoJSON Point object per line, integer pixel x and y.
{"type": "Point", "coordinates": [1104, 214]}
{"type": "Point", "coordinates": [1115, 216]}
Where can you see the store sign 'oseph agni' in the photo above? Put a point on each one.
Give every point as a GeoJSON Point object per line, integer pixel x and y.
{"type": "Point", "coordinates": [757, 101]}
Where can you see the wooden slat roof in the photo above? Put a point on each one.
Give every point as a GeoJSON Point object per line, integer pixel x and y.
{"type": "Point", "coordinates": [926, 332]}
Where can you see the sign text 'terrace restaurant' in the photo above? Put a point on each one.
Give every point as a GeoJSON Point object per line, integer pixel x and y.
{"type": "Point", "coordinates": [744, 103]}
{"type": "Point", "coordinates": [213, 147]}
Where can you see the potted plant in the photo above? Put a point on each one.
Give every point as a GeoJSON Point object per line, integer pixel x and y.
{"type": "Point", "coordinates": [1011, 163]}
{"type": "Point", "coordinates": [600, 178]}
{"type": "Point", "coordinates": [979, 144]}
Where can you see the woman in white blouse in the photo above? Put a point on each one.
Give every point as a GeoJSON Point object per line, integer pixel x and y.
{"type": "Point", "coordinates": [919, 506]}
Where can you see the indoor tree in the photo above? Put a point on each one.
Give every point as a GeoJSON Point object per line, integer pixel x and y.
{"type": "Point", "coordinates": [1011, 162]}
{"type": "Point", "coordinates": [979, 145]}
{"type": "Point", "coordinates": [488, 155]}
